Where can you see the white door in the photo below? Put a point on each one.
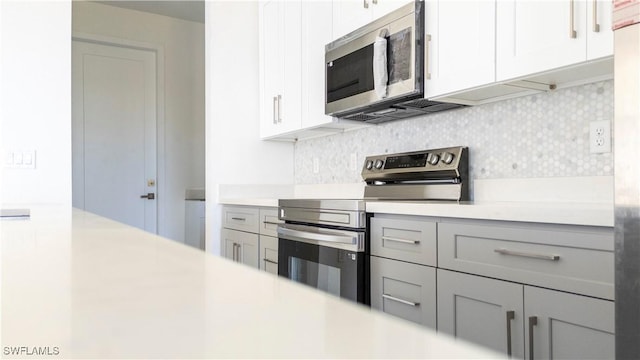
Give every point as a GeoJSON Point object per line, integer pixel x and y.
{"type": "Point", "coordinates": [114, 132]}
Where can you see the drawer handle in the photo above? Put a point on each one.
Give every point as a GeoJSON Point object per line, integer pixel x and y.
{"type": "Point", "coordinates": [401, 240]}
{"type": "Point", "coordinates": [270, 223]}
{"type": "Point", "coordinates": [406, 302]}
{"type": "Point", "coordinates": [238, 219]}
{"type": "Point", "coordinates": [527, 254]}
{"type": "Point", "coordinates": [270, 261]}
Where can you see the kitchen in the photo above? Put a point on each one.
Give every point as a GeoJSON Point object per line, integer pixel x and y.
{"type": "Point", "coordinates": [274, 163]}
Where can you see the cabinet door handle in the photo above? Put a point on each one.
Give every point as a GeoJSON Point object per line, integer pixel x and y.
{"type": "Point", "coordinates": [234, 251]}
{"type": "Point", "coordinates": [533, 321]}
{"type": "Point", "coordinates": [239, 253]}
{"type": "Point", "coordinates": [275, 107]}
{"type": "Point", "coordinates": [401, 240]}
{"type": "Point", "coordinates": [572, 28]}
{"type": "Point", "coordinates": [427, 43]}
{"type": "Point", "coordinates": [270, 261]}
{"type": "Point", "coordinates": [510, 316]}
{"type": "Point", "coordinates": [366, 4]}
{"type": "Point", "coordinates": [238, 219]}
{"type": "Point", "coordinates": [279, 109]}
{"type": "Point", "coordinates": [406, 302]}
{"type": "Point", "coordinates": [271, 222]}
{"type": "Point", "coordinates": [550, 257]}
{"type": "Point", "coordinates": [596, 26]}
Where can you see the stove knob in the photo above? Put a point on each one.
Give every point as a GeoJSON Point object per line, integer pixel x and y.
{"type": "Point", "coordinates": [447, 157]}
{"type": "Point", "coordinates": [379, 164]}
{"type": "Point", "coordinates": [433, 159]}
{"type": "Point", "coordinates": [369, 165]}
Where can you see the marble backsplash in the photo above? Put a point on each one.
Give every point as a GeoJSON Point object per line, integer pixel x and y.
{"type": "Point", "coordinates": [542, 135]}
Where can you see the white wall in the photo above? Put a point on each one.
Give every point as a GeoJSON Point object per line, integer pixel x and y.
{"type": "Point", "coordinates": [235, 153]}
{"type": "Point", "coordinates": [181, 136]}
{"type": "Point", "coordinates": [35, 108]}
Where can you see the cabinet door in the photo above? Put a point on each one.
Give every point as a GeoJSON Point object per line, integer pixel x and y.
{"type": "Point", "coordinates": [599, 32]}
{"type": "Point", "coordinates": [269, 221]}
{"type": "Point", "coordinates": [349, 15]}
{"type": "Point", "coordinates": [270, 65]}
{"type": "Point", "coordinates": [269, 254]}
{"type": "Point", "coordinates": [248, 249]}
{"type": "Point", "coordinates": [317, 32]}
{"type": "Point", "coordinates": [535, 36]}
{"type": "Point", "coordinates": [481, 310]}
{"type": "Point", "coordinates": [280, 67]}
{"type": "Point", "coordinates": [404, 290]}
{"type": "Point", "coordinates": [568, 326]}
{"type": "Point", "coordinates": [382, 7]}
{"type": "Point", "coordinates": [241, 246]}
{"type": "Point", "coordinates": [461, 53]}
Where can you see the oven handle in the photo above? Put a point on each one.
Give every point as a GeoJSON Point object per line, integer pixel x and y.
{"type": "Point", "coordinates": [316, 234]}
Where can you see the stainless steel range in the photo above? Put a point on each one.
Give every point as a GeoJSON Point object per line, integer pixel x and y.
{"type": "Point", "coordinates": [324, 242]}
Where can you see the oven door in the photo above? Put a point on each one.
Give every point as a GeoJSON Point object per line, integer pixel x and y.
{"type": "Point", "coordinates": [326, 259]}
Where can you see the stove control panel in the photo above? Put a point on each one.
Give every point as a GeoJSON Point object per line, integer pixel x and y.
{"type": "Point", "coordinates": [429, 162]}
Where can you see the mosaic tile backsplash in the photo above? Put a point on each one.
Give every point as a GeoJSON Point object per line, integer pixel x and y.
{"type": "Point", "coordinates": [542, 135]}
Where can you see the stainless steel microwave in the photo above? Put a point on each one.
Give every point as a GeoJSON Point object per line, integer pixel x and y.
{"type": "Point", "coordinates": [377, 72]}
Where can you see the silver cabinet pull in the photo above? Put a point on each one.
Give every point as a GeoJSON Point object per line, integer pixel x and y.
{"type": "Point", "coordinates": [510, 316]}
{"type": "Point", "coordinates": [401, 240]}
{"type": "Point", "coordinates": [275, 116]}
{"type": "Point", "coordinates": [533, 321]}
{"type": "Point", "coordinates": [149, 196]}
{"type": "Point", "coordinates": [270, 261]}
{"type": "Point", "coordinates": [572, 29]}
{"type": "Point", "coordinates": [279, 109]}
{"type": "Point", "coordinates": [239, 253]}
{"type": "Point", "coordinates": [427, 42]}
{"type": "Point", "coordinates": [406, 302]}
{"type": "Point", "coordinates": [238, 219]}
{"type": "Point", "coordinates": [271, 222]}
{"type": "Point", "coordinates": [234, 251]}
{"type": "Point", "coordinates": [549, 257]}
{"type": "Point", "coordinates": [596, 26]}
{"type": "Point", "coordinates": [365, 4]}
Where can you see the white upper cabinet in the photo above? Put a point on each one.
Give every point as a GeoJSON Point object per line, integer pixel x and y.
{"type": "Point", "coordinates": [461, 51]}
{"type": "Point", "coordinates": [280, 67]}
{"type": "Point", "coordinates": [537, 36]}
{"type": "Point", "coordinates": [348, 15]}
{"type": "Point", "coordinates": [316, 32]}
{"type": "Point", "coordinates": [599, 32]}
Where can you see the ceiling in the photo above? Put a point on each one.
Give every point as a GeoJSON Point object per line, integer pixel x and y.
{"type": "Point", "coordinates": [191, 10]}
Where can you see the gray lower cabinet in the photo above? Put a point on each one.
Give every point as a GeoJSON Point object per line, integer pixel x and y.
{"type": "Point", "coordinates": [241, 247]}
{"type": "Point", "coordinates": [269, 254]}
{"type": "Point", "coordinates": [567, 326]}
{"type": "Point", "coordinates": [404, 289]}
{"type": "Point", "coordinates": [482, 310]}
{"type": "Point", "coordinates": [509, 316]}
{"type": "Point", "coordinates": [249, 236]}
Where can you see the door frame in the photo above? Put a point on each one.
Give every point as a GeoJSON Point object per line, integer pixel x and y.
{"type": "Point", "coordinates": [160, 109]}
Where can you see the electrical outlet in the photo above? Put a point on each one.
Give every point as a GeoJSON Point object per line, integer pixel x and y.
{"type": "Point", "coordinates": [354, 161]}
{"type": "Point", "coordinates": [600, 137]}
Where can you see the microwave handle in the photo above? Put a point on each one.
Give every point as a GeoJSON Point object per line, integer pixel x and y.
{"type": "Point", "coordinates": [380, 71]}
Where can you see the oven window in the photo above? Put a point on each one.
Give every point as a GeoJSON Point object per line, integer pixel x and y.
{"type": "Point", "coordinates": [322, 277]}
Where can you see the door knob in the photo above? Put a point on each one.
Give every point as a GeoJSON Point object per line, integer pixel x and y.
{"type": "Point", "coordinates": [149, 196]}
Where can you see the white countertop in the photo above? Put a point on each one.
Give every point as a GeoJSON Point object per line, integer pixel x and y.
{"type": "Point", "coordinates": [88, 287]}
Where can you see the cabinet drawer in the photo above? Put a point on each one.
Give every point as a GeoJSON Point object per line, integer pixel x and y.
{"type": "Point", "coordinates": [269, 254]}
{"type": "Point", "coordinates": [577, 259]}
{"type": "Point", "coordinates": [404, 290]}
{"type": "Point", "coordinates": [241, 218]}
{"type": "Point", "coordinates": [411, 239]}
{"type": "Point", "coordinates": [269, 221]}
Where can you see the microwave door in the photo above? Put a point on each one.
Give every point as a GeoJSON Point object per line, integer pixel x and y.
{"type": "Point", "coordinates": [348, 77]}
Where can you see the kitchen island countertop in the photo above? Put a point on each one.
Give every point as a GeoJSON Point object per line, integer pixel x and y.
{"type": "Point", "coordinates": [76, 285]}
